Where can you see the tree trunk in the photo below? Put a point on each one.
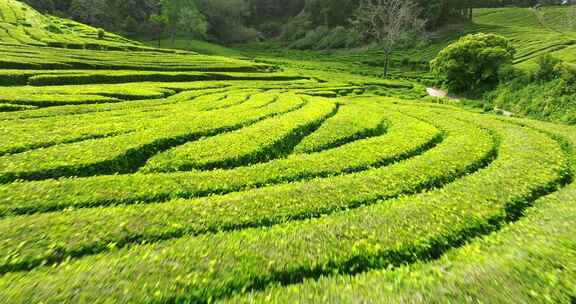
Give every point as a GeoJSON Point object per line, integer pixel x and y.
{"type": "Point", "coordinates": [173, 36]}
{"type": "Point", "coordinates": [386, 64]}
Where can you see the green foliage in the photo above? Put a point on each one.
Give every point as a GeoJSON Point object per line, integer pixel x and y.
{"type": "Point", "coordinates": [339, 37]}
{"type": "Point", "coordinates": [547, 100]}
{"type": "Point", "coordinates": [305, 181]}
{"type": "Point", "coordinates": [297, 28]}
{"type": "Point", "coordinates": [127, 151]}
{"type": "Point", "coordinates": [546, 68]}
{"type": "Point", "coordinates": [261, 142]}
{"type": "Point", "coordinates": [199, 46]}
{"type": "Point", "coordinates": [510, 73]}
{"type": "Point", "coordinates": [181, 16]}
{"type": "Point", "coordinates": [546, 93]}
{"type": "Point", "coordinates": [311, 39]}
{"type": "Point", "coordinates": [41, 100]}
{"type": "Point", "coordinates": [518, 258]}
{"type": "Point", "coordinates": [566, 71]}
{"type": "Point", "coordinates": [278, 204]}
{"type": "Point", "coordinates": [8, 107]}
{"type": "Point", "coordinates": [344, 127]}
{"type": "Point", "coordinates": [380, 150]}
{"type": "Point", "coordinates": [356, 239]}
{"type": "Point", "coordinates": [473, 62]}
{"type": "Point", "coordinates": [28, 27]}
{"type": "Point", "coordinates": [225, 19]}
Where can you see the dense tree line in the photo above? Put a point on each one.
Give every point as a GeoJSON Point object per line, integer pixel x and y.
{"type": "Point", "coordinates": [239, 20]}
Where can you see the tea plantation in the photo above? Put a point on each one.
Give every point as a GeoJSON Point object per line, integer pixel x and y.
{"type": "Point", "coordinates": [130, 174]}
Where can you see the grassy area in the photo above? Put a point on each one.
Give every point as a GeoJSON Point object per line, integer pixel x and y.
{"type": "Point", "coordinates": [131, 174]}
{"type": "Point", "coordinates": [198, 46]}
{"type": "Point", "coordinates": [20, 24]}
{"type": "Point", "coordinates": [533, 33]}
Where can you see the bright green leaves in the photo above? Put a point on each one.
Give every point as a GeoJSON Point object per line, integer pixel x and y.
{"type": "Point", "coordinates": [260, 142]}
{"type": "Point", "coordinates": [472, 63]}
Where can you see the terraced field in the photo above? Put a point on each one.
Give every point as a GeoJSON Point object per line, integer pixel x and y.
{"type": "Point", "coordinates": [532, 32]}
{"type": "Point", "coordinates": [139, 175]}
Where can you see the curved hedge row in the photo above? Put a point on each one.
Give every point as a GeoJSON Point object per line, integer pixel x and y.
{"type": "Point", "coordinates": [405, 137]}
{"type": "Point", "coordinates": [529, 164]}
{"type": "Point", "coordinates": [303, 187]}
{"type": "Point", "coordinates": [344, 127]}
{"type": "Point", "coordinates": [125, 153]}
{"type": "Point", "coordinates": [63, 127]}
{"type": "Point", "coordinates": [8, 107]}
{"type": "Point", "coordinates": [533, 259]}
{"type": "Point", "coordinates": [267, 205]}
{"type": "Point", "coordinates": [269, 139]}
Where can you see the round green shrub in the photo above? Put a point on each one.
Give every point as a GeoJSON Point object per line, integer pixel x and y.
{"type": "Point", "coordinates": [473, 62]}
{"type": "Point", "coordinates": [546, 68]}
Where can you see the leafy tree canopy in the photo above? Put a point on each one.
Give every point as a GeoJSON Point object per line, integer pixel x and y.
{"type": "Point", "coordinates": [237, 20]}
{"type": "Point", "coordinates": [473, 62]}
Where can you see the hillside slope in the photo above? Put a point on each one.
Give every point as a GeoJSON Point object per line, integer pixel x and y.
{"type": "Point", "coordinates": [130, 174]}
{"type": "Point", "coordinates": [533, 32]}
{"type": "Point", "coordinates": [20, 24]}
{"type": "Point", "coordinates": [31, 40]}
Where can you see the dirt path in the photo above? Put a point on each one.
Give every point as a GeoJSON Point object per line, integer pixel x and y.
{"type": "Point", "coordinates": [504, 112]}
{"type": "Point", "coordinates": [436, 92]}
{"type": "Point", "coordinates": [440, 93]}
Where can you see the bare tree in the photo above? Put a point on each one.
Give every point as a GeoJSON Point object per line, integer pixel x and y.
{"type": "Point", "coordinates": [391, 23]}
